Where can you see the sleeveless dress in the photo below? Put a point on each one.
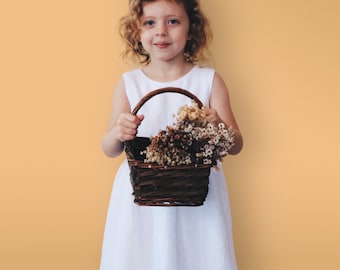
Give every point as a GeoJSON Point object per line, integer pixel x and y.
{"type": "Point", "coordinates": [167, 238]}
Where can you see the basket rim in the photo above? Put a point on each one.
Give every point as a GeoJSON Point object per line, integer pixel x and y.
{"type": "Point", "coordinates": [142, 164]}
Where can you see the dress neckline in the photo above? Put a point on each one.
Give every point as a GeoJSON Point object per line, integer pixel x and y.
{"type": "Point", "coordinates": [166, 82]}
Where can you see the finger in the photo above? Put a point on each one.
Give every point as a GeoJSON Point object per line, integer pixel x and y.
{"type": "Point", "coordinates": [213, 116]}
{"type": "Point", "coordinates": [128, 121]}
{"type": "Point", "coordinates": [137, 119]}
{"type": "Point", "coordinates": [125, 134]}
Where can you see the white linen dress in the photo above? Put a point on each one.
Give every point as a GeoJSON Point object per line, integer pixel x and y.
{"type": "Point", "coordinates": [167, 238]}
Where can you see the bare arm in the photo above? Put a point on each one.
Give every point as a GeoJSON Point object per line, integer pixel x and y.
{"type": "Point", "coordinates": [221, 111]}
{"type": "Point", "coordinates": [122, 125]}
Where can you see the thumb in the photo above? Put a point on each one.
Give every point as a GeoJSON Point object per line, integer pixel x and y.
{"type": "Point", "coordinates": [140, 117]}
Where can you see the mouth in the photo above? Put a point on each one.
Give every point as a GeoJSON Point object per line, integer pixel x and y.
{"type": "Point", "coordinates": [162, 45]}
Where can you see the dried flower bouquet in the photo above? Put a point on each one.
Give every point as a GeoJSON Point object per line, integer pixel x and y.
{"type": "Point", "coordinates": [193, 139]}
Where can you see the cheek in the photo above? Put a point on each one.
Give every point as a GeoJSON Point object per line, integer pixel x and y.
{"type": "Point", "coordinates": [183, 36]}
{"type": "Point", "coordinates": [144, 36]}
{"type": "Point", "coordinates": [185, 33]}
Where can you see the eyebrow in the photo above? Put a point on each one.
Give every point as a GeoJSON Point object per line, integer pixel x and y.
{"type": "Point", "coordinates": [167, 16]}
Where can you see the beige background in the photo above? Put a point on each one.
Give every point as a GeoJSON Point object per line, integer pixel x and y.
{"type": "Point", "coordinates": [59, 63]}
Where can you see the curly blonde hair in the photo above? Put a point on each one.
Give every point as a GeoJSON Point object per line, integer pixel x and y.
{"type": "Point", "coordinates": [199, 31]}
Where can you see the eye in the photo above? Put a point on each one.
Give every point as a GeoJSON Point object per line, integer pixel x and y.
{"type": "Point", "coordinates": [148, 22]}
{"type": "Point", "coordinates": [173, 21]}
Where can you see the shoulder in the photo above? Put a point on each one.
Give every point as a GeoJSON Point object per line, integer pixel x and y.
{"type": "Point", "coordinates": [203, 78]}
{"type": "Point", "coordinates": [131, 73]}
{"type": "Point", "coordinates": [204, 70]}
{"type": "Point", "coordinates": [218, 81]}
{"type": "Point", "coordinates": [133, 78]}
{"type": "Point", "coordinates": [219, 89]}
{"type": "Point", "coordinates": [119, 90]}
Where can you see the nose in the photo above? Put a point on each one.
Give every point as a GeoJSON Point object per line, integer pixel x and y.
{"type": "Point", "coordinates": [162, 30]}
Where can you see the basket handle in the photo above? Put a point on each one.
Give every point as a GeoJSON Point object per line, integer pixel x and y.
{"type": "Point", "coordinates": [165, 90]}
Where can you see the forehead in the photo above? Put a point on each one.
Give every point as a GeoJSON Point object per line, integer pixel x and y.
{"type": "Point", "coordinates": [163, 7]}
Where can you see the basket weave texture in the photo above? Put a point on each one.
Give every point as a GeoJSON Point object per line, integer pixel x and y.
{"type": "Point", "coordinates": [157, 185]}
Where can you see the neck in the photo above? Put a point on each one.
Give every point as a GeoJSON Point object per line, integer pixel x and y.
{"type": "Point", "coordinates": [167, 71]}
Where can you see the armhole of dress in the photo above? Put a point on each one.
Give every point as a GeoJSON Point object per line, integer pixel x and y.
{"type": "Point", "coordinates": [212, 80]}
{"type": "Point", "coordinates": [211, 83]}
{"type": "Point", "coordinates": [125, 80]}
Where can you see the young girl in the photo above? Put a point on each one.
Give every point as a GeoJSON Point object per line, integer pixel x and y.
{"type": "Point", "coordinates": [169, 39]}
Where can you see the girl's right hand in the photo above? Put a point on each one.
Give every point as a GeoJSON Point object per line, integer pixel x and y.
{"type": "Point", "coordinates": [127, 125]}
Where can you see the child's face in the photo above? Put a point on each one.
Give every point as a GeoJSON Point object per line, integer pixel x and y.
{"type": "Point", "coordinates": [164, 30]}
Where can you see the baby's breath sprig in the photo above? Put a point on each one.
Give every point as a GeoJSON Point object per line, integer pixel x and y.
{"type": "Point", "coordinates": [191, 140]}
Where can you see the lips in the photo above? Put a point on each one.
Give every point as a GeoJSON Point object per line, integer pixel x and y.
{"type": "Point", "coordinates": [162, 45]}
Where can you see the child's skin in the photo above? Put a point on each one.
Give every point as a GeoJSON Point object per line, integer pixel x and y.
{"type": "Point", "coordinates": [163, 34]}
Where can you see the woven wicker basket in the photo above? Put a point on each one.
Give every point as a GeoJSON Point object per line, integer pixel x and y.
{"type": "Point", "coordinates": [156, 185]}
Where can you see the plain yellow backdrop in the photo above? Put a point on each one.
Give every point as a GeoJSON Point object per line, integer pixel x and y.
{"type": "Point", "coordinates": [59, 63]}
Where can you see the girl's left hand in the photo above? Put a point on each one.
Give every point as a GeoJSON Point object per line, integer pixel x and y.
{"type": "Point", "coordinates": [213, 116]}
